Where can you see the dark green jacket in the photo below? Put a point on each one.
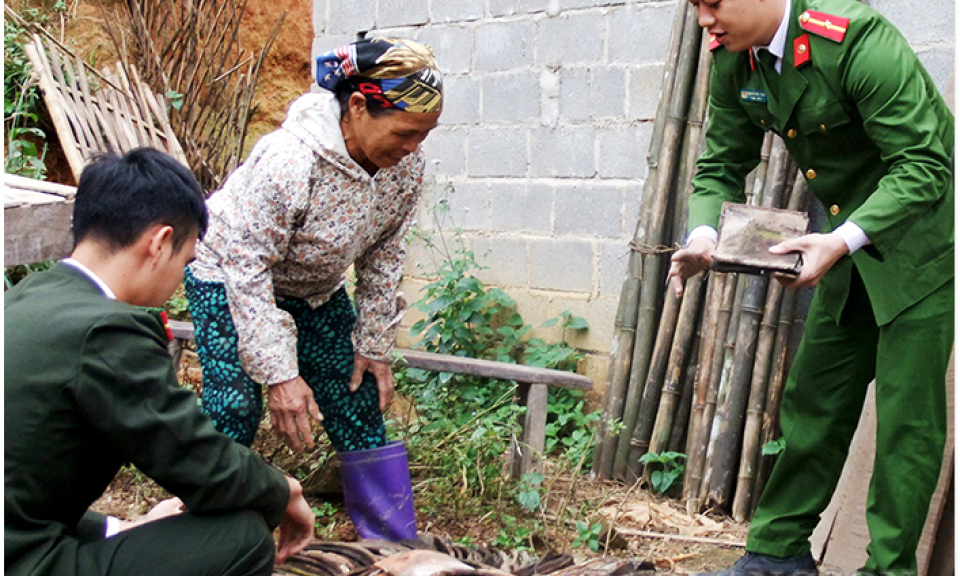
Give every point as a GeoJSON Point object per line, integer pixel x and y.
{"type": "Point", "coordinates": [874, 138]}
{"type": "Point", "coordinates": [88, 386]}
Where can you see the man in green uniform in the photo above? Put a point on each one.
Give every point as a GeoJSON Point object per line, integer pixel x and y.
{"type": "Point", "coordinates": [89, 385]}
{"type": "Point", "coordinates": [874, 140]}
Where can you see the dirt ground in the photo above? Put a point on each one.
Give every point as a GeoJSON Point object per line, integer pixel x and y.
{"type": "Point", "coordinates": [645, 526]}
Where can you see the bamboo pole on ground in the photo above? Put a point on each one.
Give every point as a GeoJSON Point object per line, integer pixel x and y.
{"type": "Point", "coordinates": [652, 269]}
{"type": "Point", "coordinates": [625, 333]}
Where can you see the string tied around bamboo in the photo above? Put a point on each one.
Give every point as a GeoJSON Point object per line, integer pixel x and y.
{"type": "Point", "coordinates": [658, 249]}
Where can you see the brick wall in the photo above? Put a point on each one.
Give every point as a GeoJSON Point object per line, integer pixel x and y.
{"type": "Point", "coordinates": [543, 140]}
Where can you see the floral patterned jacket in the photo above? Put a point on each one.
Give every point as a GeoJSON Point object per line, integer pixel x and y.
{"type": "Point", "coordinates": [291, 220]}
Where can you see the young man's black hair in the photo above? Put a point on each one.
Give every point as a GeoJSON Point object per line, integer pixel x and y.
{"type": "Point", "coordinates": [121, 196]}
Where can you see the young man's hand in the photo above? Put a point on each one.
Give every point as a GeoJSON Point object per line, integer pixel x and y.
{"type": "Point", "coordinates": [819, 253]}
{"type": "Point", "coordinates": [291, 407]}
{"type": "Point", "coordinates": [689, 261]}
{"type": "Point", "coordinates": [296, 527]}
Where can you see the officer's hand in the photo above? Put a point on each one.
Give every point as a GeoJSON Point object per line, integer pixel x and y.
{"type": "Point", "coordinates": [689, 261]}
{"type": "Point", "coordinates": [296, 527]}
{"type": "Point", "coordinates": [819, 252]}
{"type": "Point", "coordinates": [380, 370]}
{"type": "Point", "coordinates": [291, 407]}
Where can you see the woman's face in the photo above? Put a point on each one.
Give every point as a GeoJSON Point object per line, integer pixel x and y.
{"type": "Point", "coordinates": [383, 141]}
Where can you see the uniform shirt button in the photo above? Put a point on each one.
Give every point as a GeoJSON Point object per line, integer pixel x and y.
{"type": "Point", "coordinates": [811, 174]}
{"type": "Point", "coordinates": [823, 127]}
{"type": "Point", "coordinates": [834, 209]}
{"type": "Point", "coordinates": [791, 133]}
{"type": "Point", "coordinates": [762, 121]}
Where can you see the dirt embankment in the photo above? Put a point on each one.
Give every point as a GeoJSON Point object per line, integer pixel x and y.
{"type": "Point", "coordinates": [285, 74]}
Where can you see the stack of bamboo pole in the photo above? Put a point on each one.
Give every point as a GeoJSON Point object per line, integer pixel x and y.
{"type": "Point", "coordinates": [190, 51]}
{"type": "Point", "coordinates": [704, 373]}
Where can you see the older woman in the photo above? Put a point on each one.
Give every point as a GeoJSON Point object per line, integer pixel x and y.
{"type": "Point", "coordinates": [335, 186]}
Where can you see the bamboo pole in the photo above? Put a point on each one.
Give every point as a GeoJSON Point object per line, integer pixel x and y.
{"type": "Point", "coordinates": [622, 349]}
{"type": "Point", "coordinates": [732, 413]}
{"type": "Point", "coordinates": [673, 382]}
{"type": "Point", "coordinates": [695, 434]}
{"type": "Point", "coordinates": [653, 262]}
{"type": "Point", "coordinates": [678, 435]}
{"type": "Point", "coordinates": [770, 429]}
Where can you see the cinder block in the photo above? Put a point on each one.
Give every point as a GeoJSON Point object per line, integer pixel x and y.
{"type": "Point", "coordinates": [520, 206]}
{"type": "Point", "coordinates": [588, 209]}
{"type": "Point", "coordinates": [452, 45]}
{"type": "Point", "coordinates": [623, 150]}
{"type": "Point", "coordinates": [565, 265]}
{"type": "Point", "coordinates": [469, 203]}
{"type": "Point", "coordinates": [403, 12]}
{"type": "Point", "coordinates": [640, 32]}
{"type": "Point", "coordinates": [939, 62]}
{"type": "Point", "coordinates": [511, 97]}
{"type": "Point", "coordinates": [574, 4]}
{"type": "Point", "coordinates": [461, 100]}
{"type": "Point", "coordinates": [505, 258]}
{"type": "Point", "coordinates": [352, 17]}
{"type": "Point", "coordinates": [497, 151]}
{"type": "Point", "coordinates": [446, 149]}
{"type": "Point", "coordinates": [631, 203]}
{"type": "Point", "coordinates": [504, 45]}
{"type": "Point", "coordinates": [589, 94]}
{"type": "Point", "coordinates": [599, 314]}
{"type": "Point", "coordinates": [564, 152]}
{"type": "Point", "coordinates": [570, 39]}
{"type": "Point", "coordinates": [922, 21]}
{"type": "Point", "coordinates": [645, 84]}
{"type": "Point", "coordinates": [455, 10]}
{"type": "Point", "coordinates": [614, 259]}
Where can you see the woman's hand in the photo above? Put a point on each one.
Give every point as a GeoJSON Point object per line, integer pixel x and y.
{"type": "Point", "coordinates": [380, 370]}
{"type": "Point", "coordinates": [291, 407]}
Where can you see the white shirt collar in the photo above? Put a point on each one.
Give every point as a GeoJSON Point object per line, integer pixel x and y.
{"type": "Point", "coordinates": [89, 274]}
{"type": "Point", "coordinates": [778, 44]}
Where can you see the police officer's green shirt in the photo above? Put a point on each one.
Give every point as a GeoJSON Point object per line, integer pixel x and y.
{"type": "Point", "coordinates": [870, 133]}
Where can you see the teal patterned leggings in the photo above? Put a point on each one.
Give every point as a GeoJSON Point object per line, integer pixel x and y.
{"type": "Point", "coordinates": [352, 420]}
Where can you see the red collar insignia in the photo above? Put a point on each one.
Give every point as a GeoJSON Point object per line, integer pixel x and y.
{"type": "Point", "coordinates": [823, 24]}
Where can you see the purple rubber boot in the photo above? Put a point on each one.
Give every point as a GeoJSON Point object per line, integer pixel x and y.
{"type": "Point", "coordinates": [377, 492]}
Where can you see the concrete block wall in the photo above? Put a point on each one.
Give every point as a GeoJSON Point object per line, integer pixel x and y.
{"type": "Point", "coordinates": [541, 151]}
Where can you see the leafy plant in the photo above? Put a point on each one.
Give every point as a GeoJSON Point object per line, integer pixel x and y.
{"type": "Point", "coordinates": [21, 101]}
{"type": "Point", "coordinates": [463, 426]}
{"type": "Point", "coordinates": [773, 447]}
{"type": "Point", "coordinates": [514, 535]}
{"type": "Point", "coordinates": [661, 480]}
{"type": "Point", "coordinates": [588, 535]}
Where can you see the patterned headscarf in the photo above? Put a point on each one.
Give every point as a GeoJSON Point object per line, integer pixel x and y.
{"type": "Point", "coordinates": [395, 72]}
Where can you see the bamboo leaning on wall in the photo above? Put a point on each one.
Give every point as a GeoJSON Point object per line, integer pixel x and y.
{"type": "Point", "coordinates": [704, 373]}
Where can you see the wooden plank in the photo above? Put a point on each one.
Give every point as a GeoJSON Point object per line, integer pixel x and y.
{"type": "Point", "coordinates": [19, 197]}
{"type": "Point", "coordinates": [22, 182]}
{"type": "Point", "coordinates": [528, 452]}
{"type": "Point", "coordinates": [37, 232]}
{"type": "Point", "coordinates": [458, 365]}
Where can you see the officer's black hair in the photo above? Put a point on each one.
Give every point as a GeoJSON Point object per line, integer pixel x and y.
{"type": "Point", "coordinates": [119, 197]}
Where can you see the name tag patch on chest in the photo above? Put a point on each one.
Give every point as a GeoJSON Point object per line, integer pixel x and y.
{"type": "Point", "coordinates": [753, 95]}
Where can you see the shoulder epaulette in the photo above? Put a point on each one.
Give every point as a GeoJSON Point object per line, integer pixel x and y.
{"type": "Point", "coordinates": [826, 25]}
